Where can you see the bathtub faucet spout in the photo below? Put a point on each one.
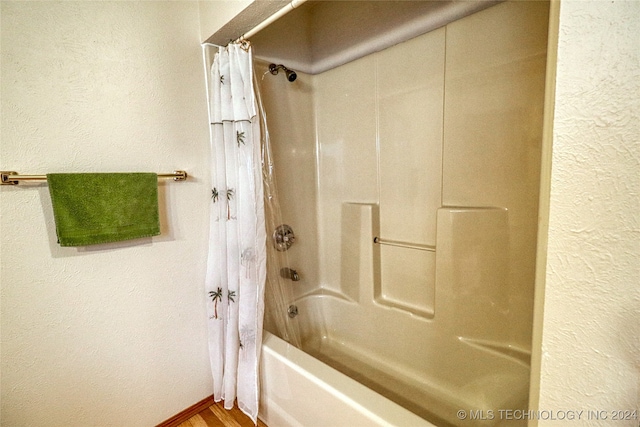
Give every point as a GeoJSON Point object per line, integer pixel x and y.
{"type": "Point", "coordinates": [289, 273]}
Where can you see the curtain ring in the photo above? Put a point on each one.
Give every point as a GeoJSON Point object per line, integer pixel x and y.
{"type": "Point", "coordinates": [245, 44]}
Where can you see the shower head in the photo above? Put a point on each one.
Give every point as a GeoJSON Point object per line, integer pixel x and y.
{"type": "Point", "coordinates": [291, 75]}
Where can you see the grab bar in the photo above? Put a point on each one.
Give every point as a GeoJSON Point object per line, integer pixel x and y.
{"type": "Point", "coordinates": [399, 244]}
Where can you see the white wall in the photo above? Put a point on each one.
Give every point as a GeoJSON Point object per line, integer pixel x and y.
{"type": "Point", "coordinates": [114, 335]}
{"type": "Point", "coordinates": [590, 356]}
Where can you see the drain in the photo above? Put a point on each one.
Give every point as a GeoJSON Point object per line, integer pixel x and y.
{"type": "Point", "coordinates": [292, 311]}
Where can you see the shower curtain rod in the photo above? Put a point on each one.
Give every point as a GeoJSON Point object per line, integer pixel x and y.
{"type": "Point", "coordinates": [288, 8]}
{"type": "Point", "coordinates": [262, 25]}
{"type": "Point", "coordinates": [13, 178]}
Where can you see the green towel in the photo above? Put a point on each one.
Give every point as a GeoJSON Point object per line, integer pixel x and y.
{"type": "Point", "coordinates": [92, 208]}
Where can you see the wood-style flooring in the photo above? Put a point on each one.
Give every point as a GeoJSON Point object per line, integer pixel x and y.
{"type": "Point", "coordinates": [216, 416]}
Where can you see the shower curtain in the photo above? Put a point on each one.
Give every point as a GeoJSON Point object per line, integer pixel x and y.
{"type": "Point", "coordinates": [236, 269]}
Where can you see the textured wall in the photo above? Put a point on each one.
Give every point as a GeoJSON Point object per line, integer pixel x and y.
{"type": "Point", "coordinates": [590, 348]}
{"type": "Point", "coordinates": [114, 335]}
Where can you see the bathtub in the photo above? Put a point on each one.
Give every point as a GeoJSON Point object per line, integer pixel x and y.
{"type": "Point", "coordinates": [299, 390]}
{"type": "Point", "coordinates": [415, 245]}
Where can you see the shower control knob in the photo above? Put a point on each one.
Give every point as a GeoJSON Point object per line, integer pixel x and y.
{"type": "Point", "coordinates": [283, 237]}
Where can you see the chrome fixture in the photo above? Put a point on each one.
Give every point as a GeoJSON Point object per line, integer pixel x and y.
{"type": "Point", "coordinates": [283, 237]}
{"type": "Point", "coordinates": [291, 75]}
{"type": "Point", "coordinates": [289, 273]}
{"type": "Point", "coordinates": [292, 311]}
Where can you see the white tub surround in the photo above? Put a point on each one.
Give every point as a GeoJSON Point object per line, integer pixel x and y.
{"type": "Point", "coordinates": [432, 149]}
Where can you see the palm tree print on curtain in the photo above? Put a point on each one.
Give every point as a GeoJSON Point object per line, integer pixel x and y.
{"type": "Point", "coordinates": [236, 267]}
{"type": "Point", "coordinates": [215, 196]}
{"type": "Point", "coordinates": [215, 297]}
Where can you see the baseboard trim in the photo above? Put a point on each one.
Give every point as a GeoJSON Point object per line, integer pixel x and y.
{"type": "Point", "coordinates": [187, 413]}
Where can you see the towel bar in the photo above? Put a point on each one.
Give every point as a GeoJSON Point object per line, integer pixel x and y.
{"type": "Point", "coordinates": [13, 178]}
